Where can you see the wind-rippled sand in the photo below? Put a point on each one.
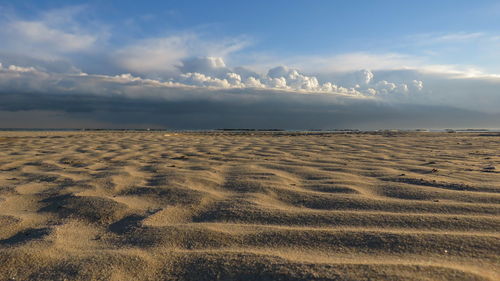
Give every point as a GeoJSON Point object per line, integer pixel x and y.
{"type": "Point", "coordinates": [249, 206]}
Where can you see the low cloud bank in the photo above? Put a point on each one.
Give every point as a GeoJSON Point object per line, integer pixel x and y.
{"type": "Point", "coordinates": [36, 98]}
{"type": "Point", "coordinates": [231, 110]}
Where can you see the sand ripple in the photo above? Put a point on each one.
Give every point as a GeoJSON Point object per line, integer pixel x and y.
{"type": "Point", "coordinates": [249, 206]}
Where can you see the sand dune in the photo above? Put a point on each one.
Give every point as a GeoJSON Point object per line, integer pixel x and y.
{"type": "Point", "coordinates": [249, 206]}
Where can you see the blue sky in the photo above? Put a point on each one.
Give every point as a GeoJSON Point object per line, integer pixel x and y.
{"type": "Point", "coordinates": [422, 53]}
{"type": "Point", "coordinates": [293, 28]}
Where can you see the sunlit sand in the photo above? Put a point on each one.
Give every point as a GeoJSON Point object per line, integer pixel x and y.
{"type": "Point", "coordinates": [249, 206]}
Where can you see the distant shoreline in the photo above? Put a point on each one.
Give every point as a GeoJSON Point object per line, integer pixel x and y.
{"type": "Point", "coordinates": [277, 130]}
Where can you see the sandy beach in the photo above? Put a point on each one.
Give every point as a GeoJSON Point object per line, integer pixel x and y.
{"type": "Point", "coordinates": [249, 206]}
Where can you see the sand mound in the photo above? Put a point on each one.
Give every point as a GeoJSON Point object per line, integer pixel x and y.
{"type": "Point", "coordinates": [249, 206]}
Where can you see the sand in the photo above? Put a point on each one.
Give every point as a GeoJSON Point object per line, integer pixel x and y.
{"type": "Point", "coordinates": [249, 206]}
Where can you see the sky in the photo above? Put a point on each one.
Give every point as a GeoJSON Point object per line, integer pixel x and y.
{"type": "Point", "coordinates": [250, 64]}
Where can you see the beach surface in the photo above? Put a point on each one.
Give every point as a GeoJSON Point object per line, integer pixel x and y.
{"type": "Point", "coordinates": [249, 206]}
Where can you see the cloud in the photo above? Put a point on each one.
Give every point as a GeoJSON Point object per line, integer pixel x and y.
{"type": "Point", "coordinates": [130, 101]}
{"type": "Point", "coordinates": [154, 55]}
{"type": "Point", "coordinates": [213, 72]}
{"type": "Point", "coordinates": [462, 36]}
{"type": "Point", "coordinates": [215, 75]}
{"type": "Point", "coordinates": [50, 35]}
{"type": "Point", "coordinates": [199, 79]}
{"type": "Point", "coordinates": [166, 55]}
{"type": "Point", "coordinates": [441, 38]}
{"type": "Point", "coordinates": [350, 62]}
{"type": "Point", "coordinates": [211, 66]}
{"type": "Point", "coordinates": [38, 33]}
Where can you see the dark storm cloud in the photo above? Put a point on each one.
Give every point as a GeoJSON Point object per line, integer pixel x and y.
{"type": "Point", "coordinates": [262, 110]}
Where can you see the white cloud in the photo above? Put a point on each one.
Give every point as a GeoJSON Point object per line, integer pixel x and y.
{"type": "Point", "coordinates": [16, 68]}
{"type": "Point", "coordinates": [50, 35]}
{"type": "Point", "coordinates": [253, 82]}
{"type": "Point", "coordinates": [39, 34]}
{"type": "Point", "coordinates": [440, 38]}
{"type": "Point", "coordinates": [326, 67]}
{"type": "Point", "coordinates": [199, 79]}
{"type": "Point", "coordinates": [462, 36]}
{"type": "Point", "coordinates": [417, 85]}
{"type": "Point", "coordinates": [293, 79]}
{"type": "Point", "coordinates": [364, 77]}
{"type": "Point", "coordinates": [211, 66]}
{"type": "Point", "coordinates": [188, 52]}
{"type": "Point", "coordinates": [213, 72]}
{"type": "Point", "coordinates": [154, 55]}
{"type": "Point", "coordinates": [359, 78]}
{"type": "Point", "coordinates": [276, 83]}
{"type": "Point", "coordinates": [350, 62]}
{"type": "Point", "coordinates": [235, 80]}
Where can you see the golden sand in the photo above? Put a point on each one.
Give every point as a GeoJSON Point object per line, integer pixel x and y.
{"type": "Point", "coordinates": [249, 206]}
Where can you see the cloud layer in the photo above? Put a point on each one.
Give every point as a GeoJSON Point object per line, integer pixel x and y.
{"type": "Point", "coordinates": [208, 72]}
{"type": "Point", "coordinates": [86, 100]}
